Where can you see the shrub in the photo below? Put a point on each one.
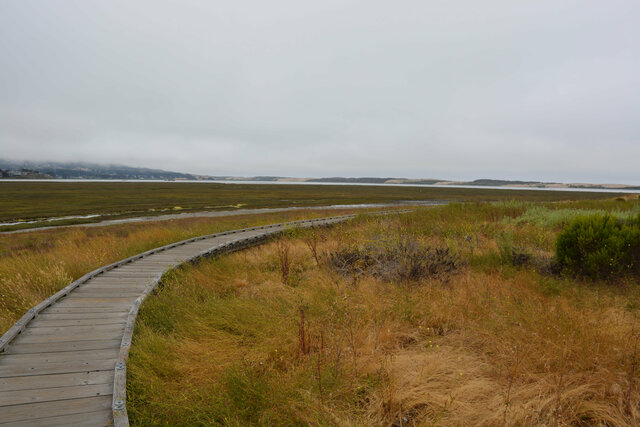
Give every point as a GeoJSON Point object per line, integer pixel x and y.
{"type": "Point", "coordinates": [600, 246]}
{"type": "Point", "coordinates": [404, 259]}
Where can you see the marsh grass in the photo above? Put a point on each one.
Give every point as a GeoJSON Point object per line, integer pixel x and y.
{"type": "Point", "coordinates": [35, 265]}
{"type": "Point", "coordinates": [41, 200]}
{"type": "Point", "coordinates": [225, 342]}
{"type": "Point", "coordinates": [554, 216]}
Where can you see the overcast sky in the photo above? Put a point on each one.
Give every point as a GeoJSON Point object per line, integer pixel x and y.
{"type": "Point", "coordinates": [542, 90]}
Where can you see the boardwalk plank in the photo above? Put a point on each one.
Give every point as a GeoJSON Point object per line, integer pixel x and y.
{"type": "Point", "coordinates": [109, 287]}
{"type": "Point", "coordinates": [48, 323]}
{"type": "Point", "coordinates": [56, 368]}
{"type": "Point", "coordinates": [71, 330]}
{"type": "Point", "coordinates": [100, 293]}
{"type": "Point", "coordinates": [131, 276]}
{"type": "Point", "coordinates": [33, 411]}
{"type": "Point", "coordinates": [51, 347]}
{"type": "Point", "coordinates": [60, 356]}
{"type": "Point", "coordinates": [169, 257]}
{"type": "Point", "coordinates": [65, 316]}
{"type": "Point", "coordinates": [57, 309]}
{"type": "Point", "coordinates": [101, 418]}
{"type": "Point", "coordinates": [20, 397]}
{"type": "Point", "coordinates": [113, 280]}
{"type": "Point", "coordinates": [96, 300]}
{"type": "Point", "coordinates": [56, 380]}
{"type": "Point", "coordinates": [28, 338]}
{"type": "Point", "coordinates": [106, 306]}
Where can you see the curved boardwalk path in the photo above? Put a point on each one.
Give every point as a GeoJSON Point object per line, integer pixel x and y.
{"type": "Point", "coordinates": [64, 362]}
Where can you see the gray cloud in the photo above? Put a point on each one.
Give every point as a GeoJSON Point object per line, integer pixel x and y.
{"type": "Point", "coordinates": [455, 89]}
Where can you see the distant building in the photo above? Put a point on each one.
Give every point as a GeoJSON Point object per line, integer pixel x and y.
{"type": "Point", "coordinates": [22, 173]}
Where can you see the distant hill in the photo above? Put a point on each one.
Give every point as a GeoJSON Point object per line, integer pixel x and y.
{"type": "Point", "coordinates": [499, 182]}
{"type": "Point", "coordinates": [478, 182]}
{"type": "Point", "coordinates": [366, 180]}
{"type": "Point", "coordinates": [81, 170]}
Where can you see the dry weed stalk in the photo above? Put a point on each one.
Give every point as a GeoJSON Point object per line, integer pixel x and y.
{"type": "Point", "coordinates": [285, 261]}
{"type": "Point", "coordinates": [319, 364]}
{"type": "Point", "coordinates": [311, 240]}
{"type": "Point", "coordinates": [511, 375]}
{"type": "Point", "coordinates": [304, 345]}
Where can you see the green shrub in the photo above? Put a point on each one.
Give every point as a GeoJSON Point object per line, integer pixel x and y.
{"type": "Point", "coordinates": [600, 246]}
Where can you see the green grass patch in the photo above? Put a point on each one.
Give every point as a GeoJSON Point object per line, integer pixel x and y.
{"type": "Point", "coordinates": [553, 218]}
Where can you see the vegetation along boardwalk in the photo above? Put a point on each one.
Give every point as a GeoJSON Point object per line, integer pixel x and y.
{"type": "Point", "coordinates": [64, 362]}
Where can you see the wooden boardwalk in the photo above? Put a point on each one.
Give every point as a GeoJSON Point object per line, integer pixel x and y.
{"type": "Point", "coordinates": [64, 362]}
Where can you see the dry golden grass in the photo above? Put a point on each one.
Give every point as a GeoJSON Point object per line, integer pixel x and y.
{"type": "Point", "coordinates": [226, 342]}
{"type": "Point", "coordinates": [35, 265]}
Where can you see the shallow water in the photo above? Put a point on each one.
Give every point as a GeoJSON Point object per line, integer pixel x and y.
{"type": "Point", "coordinates": [61, 218]}
{"type": "Point", "coordinates": [204, 214]}
{"type": "Point", "coordinates": [490, 187]}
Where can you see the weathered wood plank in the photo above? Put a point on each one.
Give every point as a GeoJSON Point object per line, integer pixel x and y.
{"type": "Point", "coordinates": [150, 262]}
{"type": "Point", "coordinates": [49, 323]}
{"type": "Point", "coordinates": [106, 287]}
{"type": "Point", "coordinates": [58, 309]}
{"type": "Point", "coordinates": [176, 253]}
{"type": "Point", "coordinates": [90, 292]}
{"type": "Point", "coordinates": [164, 257]}
{"type": "Point", "coordinates": [113, 281]}
{"type": "Point", "coordinates": [66, 316]}
{"type": "Point", "coordinates": [27, 338]}
{"type": "Point", "coordinates": [108, 284]}
{"type": "Point", "coordinates": [33, 411]}
{"type": "Point", "coordinates": [101, 418]}
{"type": "Point", "coordinates": [109, 294]}
{"type": "Point", "coordinates": [61, 356]}
{"type": "Point", "coordinates": [56, 368]}
{"type": "Point", "coordinates": [21, 397]}
{"type": "Point", "coordinates": [135, 267]}
{"type": "Point", "coordinates": [117, 274]}
{"type": "Point", "coordinates": [163, 265]}
{"type": "Point", "coordinates": [18, 347]}
{"type": "Point", "coordinates": [107, 306]}
{"type": "Point", "coordinates": [96, 300]}
{"type": "Point", "coordinates": [110, 288]}
{"type": "Point", "coordinates": [204, 244]}
{"type": "Point", "coordinates": [71, 330]}
{"type": "Point", "coordinates": [185, 254]}
{"type": "Point", "coordinates": [158, 264]}
{"type": "Point", "coordinates": [56, 380]}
